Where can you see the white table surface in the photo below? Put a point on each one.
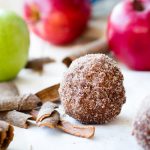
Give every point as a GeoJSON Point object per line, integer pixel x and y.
{"type": "Point", "coordinates": [115, 135]}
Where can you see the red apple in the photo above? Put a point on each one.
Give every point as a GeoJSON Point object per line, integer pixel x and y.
{"type": "Point", "coordinates": [129, 33]}
{"type": "Point", "coordinates": [57, 21]}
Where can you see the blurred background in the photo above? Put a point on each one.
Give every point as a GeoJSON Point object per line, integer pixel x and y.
{"type": "Point", "coordinates": [62, 28]}
{"type": "Point", "coordinates": [100, 11]}
{"type": "Point", "coordinates": [78, 28]}
{"type": "Point", "coordinates": [100, 7]}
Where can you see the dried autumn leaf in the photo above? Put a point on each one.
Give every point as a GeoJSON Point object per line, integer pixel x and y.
{"type": "Point", "coordinates": [49, 117]}
{"type": "Point", "coordinates": [99, 46]}
{"type": "Point", "coordinates": [77, 130]}
{"type": "Point", "coordinates": [46, 111]}
{"type": "Point", "coordinates": [6, 134]}
{"type": "Point", "coordinates": [49, 94]}
{"type": "Point", "coordinates": [22, 102]}
{"type": "Point", "coordinates": [16, 118]}
{"type": "Point", "coordinates": [37, 64]}
{"type": "Point", "coordinates": [50, 121]}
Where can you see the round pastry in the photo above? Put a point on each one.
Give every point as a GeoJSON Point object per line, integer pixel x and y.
{"type": "Point", "coordinates": [92, 89]}
{"type": "Point", "coordinates": [141, 126]}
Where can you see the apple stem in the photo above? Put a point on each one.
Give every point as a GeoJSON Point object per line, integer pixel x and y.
{"type": "Point", "coordinates": [137, 4]}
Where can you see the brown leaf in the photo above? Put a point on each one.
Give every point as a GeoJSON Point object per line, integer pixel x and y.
{"type": "Point", "coordinates": [6, 134]}
{"type": "Point", "coordinates": [77, 130]}
{"type": "Point", "coordinates": [49, 94]}
{"type": "Point", "coordinates": [50, 121]}
{"type": "Point", "coordinates": [46, 111]}
{"type": "Point", "coordinates": [37, 64]}
{"type": "Point", "coordinates": [48, 116]}
{"type": "Point", "coordinates": [16, 118]}
{"type": "Point", "coordinates": [23, 102]}
{"type": "Point", "coordinates": [99, 46]}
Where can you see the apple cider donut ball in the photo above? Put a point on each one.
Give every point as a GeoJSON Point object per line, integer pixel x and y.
{"type": "Point", "coordinates": [92, 89]}
{"type": "Point", "coordinates": [141, 126]}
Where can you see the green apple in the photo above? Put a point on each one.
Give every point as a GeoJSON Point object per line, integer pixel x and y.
{"type": "Point", "coordinates": [14, 44]}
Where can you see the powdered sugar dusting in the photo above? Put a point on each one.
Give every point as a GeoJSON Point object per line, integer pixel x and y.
{"type": "Point", "coordinates": [92, 89]}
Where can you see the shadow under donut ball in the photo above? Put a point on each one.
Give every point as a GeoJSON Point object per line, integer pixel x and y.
{"type": "Point", "coordinates": [92, 89]}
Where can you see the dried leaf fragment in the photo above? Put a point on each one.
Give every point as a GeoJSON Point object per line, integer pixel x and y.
{"type": "Point", "coordinates": [100, 46]}
{"type": "Point", "coordinates": [6, 134]}
{"type": "Point", "coordinates": [46, 111]}
{"type": "Point", "coordinates": [37, 64]}
{"type": "Point", "coordinates": [23, 102]}
{"type": "Point", "coordinates": [50, 121]}
{"type": "Point", "coordinates": [34, 113]}
{"type": "Point", "coordinates": [48, 116]}
{"type": "Point", "coordinates": [16, 118]}
{"type": "Point", "coordinates": [49, 94]}
{"type": "Point", "coordinates": [76, 130]}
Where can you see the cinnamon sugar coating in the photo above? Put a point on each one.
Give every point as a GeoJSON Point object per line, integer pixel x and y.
{"type": "Point", "coordinates": [92, 89]}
